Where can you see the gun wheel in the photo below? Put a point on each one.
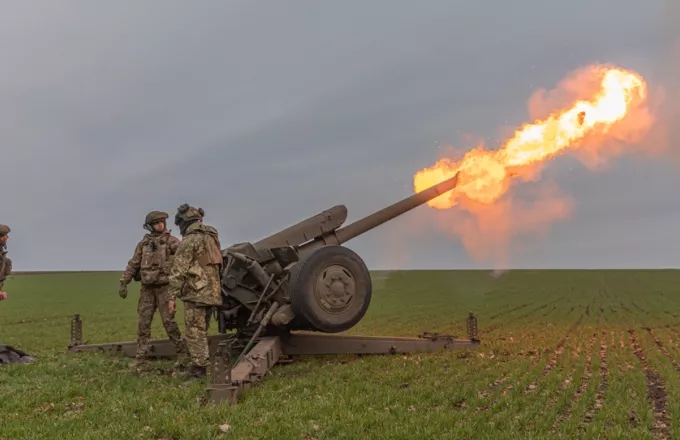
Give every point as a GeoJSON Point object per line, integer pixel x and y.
{"type": "Point", "coordinates": [331, 289]}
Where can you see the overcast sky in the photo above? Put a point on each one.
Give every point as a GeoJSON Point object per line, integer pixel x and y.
{"type": "Point", "coordinates": [265, 113]}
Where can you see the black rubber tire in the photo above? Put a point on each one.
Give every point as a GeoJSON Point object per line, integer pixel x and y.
{"type": "Point", "coordinates": [303, 279]}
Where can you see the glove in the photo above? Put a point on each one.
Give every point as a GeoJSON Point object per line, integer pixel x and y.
{"type": "Point", "coordinates": [3, 296]}
{"type": "Point", "coordinates": [123, 291]}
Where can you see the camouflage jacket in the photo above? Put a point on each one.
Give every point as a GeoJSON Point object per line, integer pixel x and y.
{"type": "Point", "coordinates": [195, 274]}
{"type": "Point", "coordinates": [152, 259]}
{"type": "Point", "coordinates": [5, 267]}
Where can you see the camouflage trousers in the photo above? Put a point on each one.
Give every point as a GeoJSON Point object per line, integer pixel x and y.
{"type": "Point", "coordinates": [150, 299]}
{"type": "Point", "coordinates": [197, 322]}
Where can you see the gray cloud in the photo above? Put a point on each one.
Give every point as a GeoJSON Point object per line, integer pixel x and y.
{"type": "Point", "coordinates": [266, 114]}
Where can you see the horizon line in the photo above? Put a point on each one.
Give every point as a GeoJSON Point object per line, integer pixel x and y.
{"type": "Point", "coordinates": [39, 271]}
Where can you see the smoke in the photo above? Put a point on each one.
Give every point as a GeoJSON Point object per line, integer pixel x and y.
{"type": "Point", "coordinates": [497, 273]}
{"type": "Point", "coordinates": [490, 231]}
{"type": "Point", "coordinates": [487, 230]}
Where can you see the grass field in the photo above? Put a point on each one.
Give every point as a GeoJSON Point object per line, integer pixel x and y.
{"type": "Point", "coordinates": [565, 354]}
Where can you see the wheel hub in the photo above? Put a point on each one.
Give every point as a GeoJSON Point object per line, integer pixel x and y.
{"type": "Point", "coordinates": [334, 288]}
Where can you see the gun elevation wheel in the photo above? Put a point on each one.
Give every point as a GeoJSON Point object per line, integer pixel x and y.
{"type": "Point", "coordinates": [331, 289]}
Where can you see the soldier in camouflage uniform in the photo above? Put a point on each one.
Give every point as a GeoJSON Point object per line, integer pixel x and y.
{"type": "Point", "coordinates": [150, 264]}
{"type": "Point", "coordinates": [5, 262]}
{"type": "Point", "coordinates": [195, 279]}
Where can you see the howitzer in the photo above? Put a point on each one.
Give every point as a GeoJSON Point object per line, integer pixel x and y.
{"type": "Point", "coordinates": [298, 279]}
{"type": "Point", "coordinates": [302, 278]}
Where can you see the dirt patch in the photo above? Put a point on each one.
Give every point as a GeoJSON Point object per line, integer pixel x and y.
{"type": "Point", "coordinates": [658, 395]}
{"type": "Point", "coordinates": [656, 392]}
{"type": "Point", "coordinates": [633, 418]}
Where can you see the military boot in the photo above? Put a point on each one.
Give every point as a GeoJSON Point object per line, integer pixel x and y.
{"type": "Point", "coordinates": [196, 372]}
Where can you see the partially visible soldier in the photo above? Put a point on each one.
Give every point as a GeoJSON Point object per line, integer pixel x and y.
{"type": "Point", "coordinates": [150, 264]}
{"type": "Point", "coordinates": [5, 262]}
{"type": "Point", "coordinates": [195, 279]}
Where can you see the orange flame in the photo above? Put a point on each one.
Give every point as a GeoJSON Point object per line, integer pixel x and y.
{"type": "Point", "coordinates": [484, 175]}
{"type": "Point", "coordinates": [605, 105]}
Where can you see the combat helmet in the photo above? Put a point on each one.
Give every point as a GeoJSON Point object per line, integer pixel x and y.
{"type": "Point", "coordinates": [4, 230]}
{"type": "Point", "coordinates": [187, 215]}
{"type": "Point", "coordinates": [154, 217]}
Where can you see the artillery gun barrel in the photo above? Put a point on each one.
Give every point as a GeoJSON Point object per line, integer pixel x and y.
{"type": "Point", "coordinates": [376, 219]}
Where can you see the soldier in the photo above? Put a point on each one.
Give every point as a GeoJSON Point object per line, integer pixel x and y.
{"type": "Point", "coordinates": [5, 262]}
{"type": "Point", "coordinates": [195, 279]}
{"type": "Point", "coordinates": [150, 264]}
